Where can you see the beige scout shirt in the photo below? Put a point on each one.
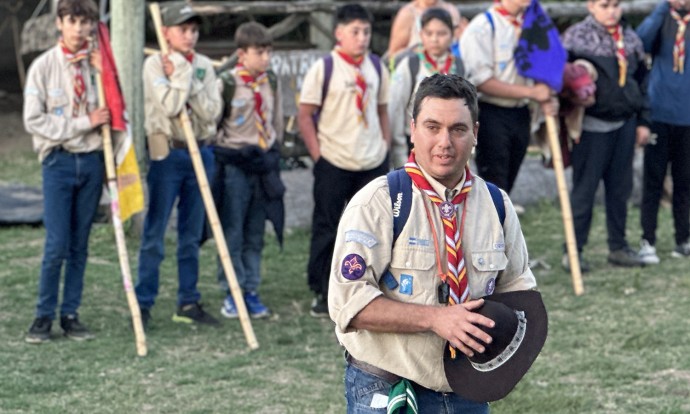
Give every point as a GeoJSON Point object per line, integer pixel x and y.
{"type": "Point", "coordinates": [400, 102]}
{"type": "Point", "coordinates": [48, 97]}
{"type": "Point", "coordinates": [190, 84]}
{"type": "Point", "coordinates": [239, 130]}
{"type": "Point", "coordinates": [343, 140]}
{"type": "Point", "coordinates": [495, 256]}
{"type": "Point", "coordinates": [485, 59]}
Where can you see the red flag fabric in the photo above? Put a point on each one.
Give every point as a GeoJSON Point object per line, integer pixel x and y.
{"type": "Point", "coordinates": [111, 83]}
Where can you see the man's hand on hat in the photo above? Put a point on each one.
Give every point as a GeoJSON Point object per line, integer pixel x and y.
{"type": "Point", "coordinates": [458, 325]}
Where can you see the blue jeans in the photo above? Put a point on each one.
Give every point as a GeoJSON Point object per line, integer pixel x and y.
{"type": "Point", "coordinates": [168, 180]}
{"type": "Point", "coordinates": [360, 388]}
{"type": "Point", "coordinates": [72, 186]}
{"type": "Point", "coordinates": [243, 217]}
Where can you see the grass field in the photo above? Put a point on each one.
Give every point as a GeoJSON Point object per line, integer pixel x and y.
{"type": "Point", "coordinates": [622, 347]}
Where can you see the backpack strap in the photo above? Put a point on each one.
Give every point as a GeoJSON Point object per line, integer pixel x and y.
{"type": "Point", "coordinates": [327, 74]}
{"type": "Point", "coordinates": [490, 18]}
{"type": "Point", "coordinates": [497, 198]}
{"type": "Point", "coordinates": [229, 87]}
{"type": "Point", "coordinates": [400, 189]}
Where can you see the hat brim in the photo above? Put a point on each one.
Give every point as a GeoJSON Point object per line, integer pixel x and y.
{"type": "Point", "coordinates": [493, 385]}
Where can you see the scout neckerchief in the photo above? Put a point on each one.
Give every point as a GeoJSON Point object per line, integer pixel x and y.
{"type": "Point", "coordinates": [432, 65]}
{"type": "Point", "coordinates": [679, 45]}
{"type": "Point", "coordinates": [360, 84]}
{"type": "Point", "coordinates": [516, 21]}
{"type": "Point", "coordinates": [616, 33]}
{"type": "Point", "coordinates": [189, 56]}
{"type": "Point", "coordinates": [75, 59]}
{"type": "Point", "coordinates": [402, 399]}
{"type": "Point", "coordinates": [456, 275]}
{"type": "Point", "coordinates": [254, 82]}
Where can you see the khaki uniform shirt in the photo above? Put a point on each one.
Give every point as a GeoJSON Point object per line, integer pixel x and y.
{"type": "Point", "coordinates": [496, 261]}
{"type": "Point", "coordinates": [192, 86]}
{"type": "Point", "coordinates": [344, 141]}
{"type": "Point", "coordinates": [48, 103]}
{"type": "Point", "coordinates": [239, 130]}
{"type": "Point", "coordinates": [485, 59]}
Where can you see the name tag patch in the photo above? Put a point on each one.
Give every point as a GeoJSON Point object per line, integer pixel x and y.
{"type": "Point", "coordinates": [353, 266]}
{"type": "Point", "coordinates": [361, 237]}
{"type": "Point", "coordinates": [414, 241]}
{"type": "Point", "coordinates": [406, 284]}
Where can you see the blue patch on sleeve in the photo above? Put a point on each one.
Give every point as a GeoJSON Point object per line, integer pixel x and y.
{"type": "Point", "coordinates": [353, 266]}
{"type": "Point", "coordinates": [389, 281]}
{"type": "Point", "coordinates": [361, 237]}
{"type": "Point", "coordinates": [406, 284]}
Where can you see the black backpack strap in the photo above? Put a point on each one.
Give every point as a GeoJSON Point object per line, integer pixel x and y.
{"type": "Point", "coordinates": [327, 74]}
{"type": "Point", "coordinates": [497, 198]}
{"type": "Point", "coordinates": [400, 189]}
{"type": "Point", "coordinates": [228, 92]}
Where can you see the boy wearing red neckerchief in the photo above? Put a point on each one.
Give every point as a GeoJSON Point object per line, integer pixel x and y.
{"type": "Point", "coordinates": [350, 138]}
{"type": "Point", "coordinates": [666, 37]}
{"type": "Point", "coordinates": [60, 111]}
{"type": "Point", "coordinates": [183, 80]}
{"type": "Point", "coordinates": [247, 186]}
{"type": "Point", "coordinates": [612, 127]}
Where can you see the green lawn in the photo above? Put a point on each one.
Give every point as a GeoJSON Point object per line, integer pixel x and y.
{"type": "Point", "coordinates": [622, 347]}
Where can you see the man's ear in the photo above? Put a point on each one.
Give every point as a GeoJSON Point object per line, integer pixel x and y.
{"type": "Point", "coordinates": [475, 129]}
{"type": "Point", "coordinates": [413, 129]}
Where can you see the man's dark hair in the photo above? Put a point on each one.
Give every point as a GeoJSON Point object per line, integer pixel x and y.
{"type": "Point", "coordinates": [252, 34]}
{"type": "Point", "coordinates": [77, 8]}
{"type": "Point", "coordinates": [439, 14]}
{"type": "Point", "coordinates": [351, 12]}
{"type": "Point", "coordinates": [446, 87]}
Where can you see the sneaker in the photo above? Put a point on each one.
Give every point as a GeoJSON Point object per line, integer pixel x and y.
{"type": "Point", "coordinates": [682, 250]}
{"type": "Point", "coordinates": [584, 265]}
{"type": "Point", "coordinates": [39, 331]}
{"type": "Point", "coordinates": [319, 307]}
{"type": "Point", "coordinates": [625, 257]}
{"type": "Point", "coordinates": [229, 310]}
{"type": "Point", "coordinates": [73, 329]}
{"type": "Point", "coordinates": [145, 317]}
{"type": "Point", "coordinates": [255, 308]}
{"type": "Point", "coordinates": [647, 253]}
{"type": "Point", "coordinates": [193, 313]}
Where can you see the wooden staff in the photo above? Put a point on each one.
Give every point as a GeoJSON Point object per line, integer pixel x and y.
{"type": "Point", "coordinates": [566, 211]}
{"type": "Point", "coordinates": [139, 335]}
{"type": "Point", "coordinates": [211, 212]}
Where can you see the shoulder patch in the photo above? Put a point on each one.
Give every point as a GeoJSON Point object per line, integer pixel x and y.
{"type": "Point", "coordinates": [361, 237]}
{"type": "Point", "coordinates": [353, 266]}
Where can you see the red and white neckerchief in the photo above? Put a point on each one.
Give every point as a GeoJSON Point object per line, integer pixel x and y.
{"type": "Point", "coordinates": [360, 84]}
{"type": "Point", "coordinates": [456, 275]}
{"type": "Point", "coordinates": [254, 83]}
{"type": "Point", "coordinates": [432, 65]}
{"type": "Point", "coordinates": [515, 21]}
{"type": "Point", "coordinates": [75, 58]}
{"type": "Point", "coordinates": [189, 56]}
{"type": "Point", "coordinates": [616, 33]}
{"type": "Point", "coordinates": [679, 44]}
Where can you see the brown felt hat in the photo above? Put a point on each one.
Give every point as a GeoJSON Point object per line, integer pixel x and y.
{"type": "Point", "coordinates": [517, 338]}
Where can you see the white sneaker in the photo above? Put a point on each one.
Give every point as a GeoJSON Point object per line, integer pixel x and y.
{"type": "Point", "coordinates": [647, 253]}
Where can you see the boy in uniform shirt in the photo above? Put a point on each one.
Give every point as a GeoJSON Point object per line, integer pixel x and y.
{"type": "Point", "coordinates": [349, 141]}
{"type": "Point", "coordinates": [180, 81]}
{"type": "Point", "coordinates": [60, 111]}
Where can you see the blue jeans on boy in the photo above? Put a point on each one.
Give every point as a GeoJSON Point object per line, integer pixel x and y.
{"type": "Point", "coordinates": [72, 187]}
{"type": "Point", "coordinates": [243, 218]}
{"type": "Point", "coordinates": [171, 179]}
{"type": "Point", "coordinates": [360, 388]}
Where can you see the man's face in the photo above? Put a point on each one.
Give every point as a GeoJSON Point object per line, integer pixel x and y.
{"type": "Point", "coordinates": [443, 137]}
{"type": "Point", "coordinates": [255, 59]}
{"type": "Point", "coordinates": [354, 37]}
{"type": "Point", "coordinates": [75, 30]}
{"type": "Point", "coordinates": [605, 12]}
{"type": "Point", "coordinates": [182, 38]}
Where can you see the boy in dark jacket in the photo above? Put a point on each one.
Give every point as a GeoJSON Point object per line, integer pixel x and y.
{"type": "Point", "coordinates": [611, 127]}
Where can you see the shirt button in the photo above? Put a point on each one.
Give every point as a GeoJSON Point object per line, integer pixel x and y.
{"type": "Point", "coordinates": [408, 264]}
{"type": "Point", "coordinates": [480, 261]}
{"type": "Point", "coordinates": [491, 266]}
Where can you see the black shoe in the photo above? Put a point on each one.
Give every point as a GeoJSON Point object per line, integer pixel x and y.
{"type": "Point", "coordinates": [74, 329]}
{"type": "Point", "coordinates": [145, 318]}
{"type": "Point", "coordinates": [319, 307]}
{"type": "Point", "coordinates": [193, 313]}
{"type": "Point", "coordinates": [584, 265]}
{"type": "Point", "coordinates": [39, 331]}
{"type": "Point", "coordinates": [625, 257]}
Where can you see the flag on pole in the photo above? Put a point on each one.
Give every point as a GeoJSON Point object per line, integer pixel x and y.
{"type": "Point", "coordinates": [539, 54]}
{"type": "Point", "coordinates": [131, 195]}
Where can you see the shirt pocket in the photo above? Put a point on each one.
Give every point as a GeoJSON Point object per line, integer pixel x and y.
{"type": "Point", "coordinates": [489, 261]}
{"type": "Point", "coordinates": [414, 272]}
{"type": "Point", "coordinates": [57, 102]}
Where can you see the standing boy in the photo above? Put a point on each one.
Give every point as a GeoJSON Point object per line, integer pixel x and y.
{"type": "Point", "coordinates": [60, 111]}
{"type": "Point", "coordinates": [487, 47]}
{"type": "Point", "coordinates": [248, 161]}
{"type": "Point", "coordinates": [611, 126]}
{"type": "Point", "coordinates": [180, 81]}
{"type": "Point", "coordinates": [664, 35]}
{"type": "Point", "coordinates": [344, 123]}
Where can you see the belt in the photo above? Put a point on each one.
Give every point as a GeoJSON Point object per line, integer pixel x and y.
{"type": "Point", "coordinates": [181, 144]}
{"type": "Point", "coordinates": [370, 369]}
